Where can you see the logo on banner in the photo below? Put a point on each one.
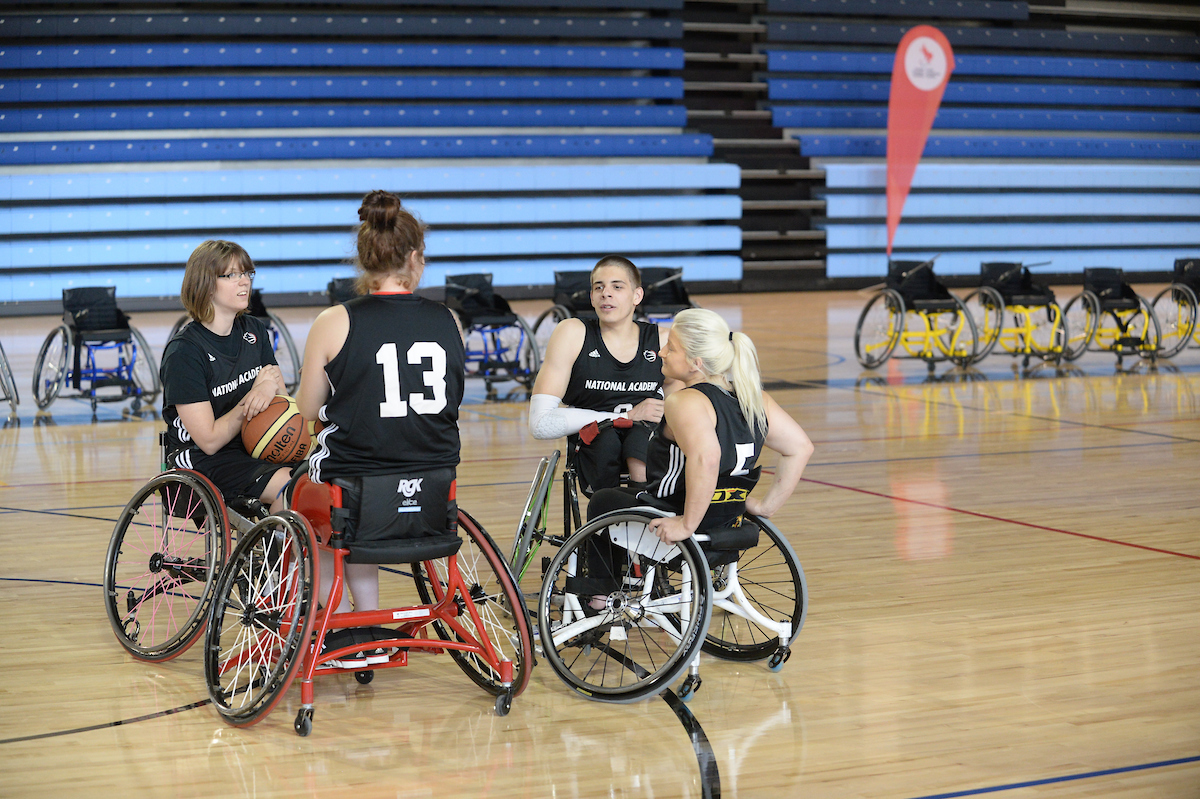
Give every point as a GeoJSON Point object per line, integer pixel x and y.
{"type": "Point", "coordinates": [925, 63]}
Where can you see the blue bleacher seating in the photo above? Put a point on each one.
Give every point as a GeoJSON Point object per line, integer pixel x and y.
{"type": "Point", "coordinates": [940, 9]}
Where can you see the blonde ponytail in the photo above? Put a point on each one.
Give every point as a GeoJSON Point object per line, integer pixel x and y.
{"type": "Point", "coordinates": [704, 335]}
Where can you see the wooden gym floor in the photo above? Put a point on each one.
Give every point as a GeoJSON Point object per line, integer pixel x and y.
{"type": "Point", "coordinates": [1002, 569]}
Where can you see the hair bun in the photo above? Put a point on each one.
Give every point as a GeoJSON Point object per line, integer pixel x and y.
{"type": "Point", "coordinates": [379, 210]}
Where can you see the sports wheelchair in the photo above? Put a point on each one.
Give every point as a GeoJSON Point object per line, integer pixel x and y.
{"type": "Point", "coordinates": [1175, 308]}
{"type": "Point", "coordinates": [664, 294]}
{"type": "Point", "coordinates": [1035, 322]}
{"type": "Point", "coordinates": [500, 344]}
{"type": "Point", "coordinates": [1109, 316]}
{"type": "Point", "coordinates": [914, 310]}
{"type": "Point", "coordinates": [281, 339]}
{"type": "Point", "coordinates": [267, 627]}
{"type": "Point", "coordinates": [166, 551]}
{"type": "Point", "coordinates": [737, 594]}
{"type": "Point", "coordinates": [7, 384]}
{"type": "Point", "coordinates": [93, 324]}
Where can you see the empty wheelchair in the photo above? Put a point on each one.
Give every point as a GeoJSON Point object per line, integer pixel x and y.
{"type": "Point", "coordinates": [500, 344]}
{"type": "Point", "coordinates": [1109, 316]}
{"type": "Point", "coordinates": [97, 352]}
{"type": "Point", "coordinates": [665, 294]}
{"type": "Point", "coordinates": [286, 354]}
{"type": "Point", "coordinates": [267, 626]}
{"type": "Point", "coordinates": [621, 615]}
{"type": "Point", "coordinates": [1175, 308]}
{"type": "Point", "coordinates": [915, 312]}
{"type": "Point", "coordinates": [7, 384]}
{"type": "Point", "coordinates": [1012, 311]}
{"type": "Point", "coordinates": [166, 551]}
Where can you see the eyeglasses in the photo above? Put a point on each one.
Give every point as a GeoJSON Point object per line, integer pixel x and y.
{"type": "Point", "coordinates": [235, 276]}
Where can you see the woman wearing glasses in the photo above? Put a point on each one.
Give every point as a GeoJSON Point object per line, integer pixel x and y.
{"type": "Point", "coordinates": [218, 371]}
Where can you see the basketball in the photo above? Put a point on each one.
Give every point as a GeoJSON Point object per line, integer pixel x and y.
{"type": "Point", "coordinates": [278, 434]}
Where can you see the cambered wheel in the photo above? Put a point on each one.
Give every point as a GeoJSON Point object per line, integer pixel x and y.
{"type": "Point", "coordinates": [1175, 309]}
{"type": "Point", "coordinates": [533, 517]}
{"type": "Point", "coordinates": [772, 580]}
{"type": "Point", "coordinates": [544, 325]}
{"type": "Point", "coordinates": [180, 324]}
{"type": "Point", "coordinates": [144, 368]}
{"type": "Point", "coordinates": [1081, 317]}
{"type": "Point", "coordinates": [986, 308]}
{"type": "Point", "coordinates": [493, 597]}
{"type": "Point", "coordinates": [7, 382]}
{"type": "Point", "coordinates": [959, 339]}
{"type": "Point", "coordinates": [879, 327]}
{"type": "Point", "coordinates": [657, 601]}
{"type": "Point", "coordinates": [1145, 327]}
{"type": "Point", "coordinates": [50, 368]}
{"type": "Point", "coordinates": [260, 621]}
{"type": "Point", "coordinates": [163, 560]}
{"type": "Point", "coordinates": [529, 355]}
{"type": "Point", "coordinates": [285, 351]}
{"type": "Point", "coordinates": [1049, 335]}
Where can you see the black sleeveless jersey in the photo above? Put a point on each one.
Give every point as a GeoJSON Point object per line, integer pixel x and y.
{"type": "Point", "coordinates": [599, 382]}
{"type": "Point", "coordinates": [740, 447]}
{"type": "Point", "coordinates": [397, 384]}
{"type": "Point", "coordinates": [199, 365]}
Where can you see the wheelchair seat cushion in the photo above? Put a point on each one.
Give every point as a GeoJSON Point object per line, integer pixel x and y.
{"type": "Point", "coordinates": [398, 518]}
{"type": "Point", "coordinates": [725, 544]}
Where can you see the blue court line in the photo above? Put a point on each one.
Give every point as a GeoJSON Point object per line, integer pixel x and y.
{"type": "Point", "coordinates": [106, 725]}
{"type": "Point", "coordinates": [1066, 778]}
{"type": "Point", "coordinates": [55, 582]}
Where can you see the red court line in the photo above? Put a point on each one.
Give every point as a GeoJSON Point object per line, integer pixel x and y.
{"type": "Point", "coordinates": [1002, 519]}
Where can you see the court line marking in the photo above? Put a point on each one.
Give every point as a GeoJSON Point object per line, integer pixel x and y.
{"type": "Point", "coordinates": [990, 517]}
{"type": "Point", "coordinates": [106, 725]}
{"type": "Point", "coordinates": [706, 758]}
{"type": "Point", "coordinates": [1065, 778]}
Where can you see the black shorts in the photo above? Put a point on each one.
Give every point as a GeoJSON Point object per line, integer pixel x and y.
{"type": "Point", "coordinates": [601, 463]}
{"type": "Point", "coordinates": [233, 471]}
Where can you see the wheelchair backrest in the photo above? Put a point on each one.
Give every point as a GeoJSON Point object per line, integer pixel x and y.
{"type": "Point", "coordinates": [1003, 275]}
{"type": "Point", "coordinates": [257, 308]}
{"type": "Point", "coordinates": [93, 308]}
{"type": "Point", "coordinates": [341, 289]}
{"type": "Point", "coordinates": [473, 294]}
{"type": "Point", "coordinates": [1107, 282]}
{"type": "Point", "coordinates": [663, 286]}
{"type": "Point", "coordinates": [573, 290]}
{"type": "Point", "coordinates": [1187, 270]}
{"type": "Point", "coordinates": [914, 280]}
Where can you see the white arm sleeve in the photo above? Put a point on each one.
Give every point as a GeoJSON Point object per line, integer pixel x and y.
{"type": "Point", "coordinates": [548, 420]}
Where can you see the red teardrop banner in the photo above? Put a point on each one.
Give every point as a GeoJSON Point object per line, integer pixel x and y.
{"type": "Point", "coordinates": [923, 65]}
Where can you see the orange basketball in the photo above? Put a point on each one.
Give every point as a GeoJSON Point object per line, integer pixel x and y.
{"type": "Point", "coordinates": [278, 434]}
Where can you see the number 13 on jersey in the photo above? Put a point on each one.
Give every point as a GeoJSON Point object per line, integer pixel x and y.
{"type": "Point", "coordinates": [434, 379]}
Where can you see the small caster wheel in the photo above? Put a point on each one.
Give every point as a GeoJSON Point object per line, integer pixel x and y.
{"type": "Point", "coordinates": [135, 406]}
{"type": "Point", "coordinates": [780, 657]}
{"type": "Point", "coordinates": [303, 723]}
{"type": "Point", "coordinates": [364, 677]}
{"type": "Point", "coordinates": [689, 688]}
{"type": "Point", "coordinates": [503, 704]}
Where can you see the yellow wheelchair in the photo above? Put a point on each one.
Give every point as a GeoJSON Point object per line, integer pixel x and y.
{"type": "Point", "coordinates": [915, 312]}
{"type": "Point", "coordinates": [1013, 312]}
{"type": "Point", "coordinates": [1109, 316]}
{"type": "Point", "coordinates": [1175, 308]}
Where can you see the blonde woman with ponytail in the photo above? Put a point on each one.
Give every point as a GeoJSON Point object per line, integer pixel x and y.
{"type": "Point", "coordinates": [702, 457]}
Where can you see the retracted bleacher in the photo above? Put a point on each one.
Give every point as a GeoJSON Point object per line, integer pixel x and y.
{"type": "Point", "coordinates": [1051, 144]}
{"type": "Point", "coordinates": [533, 136]}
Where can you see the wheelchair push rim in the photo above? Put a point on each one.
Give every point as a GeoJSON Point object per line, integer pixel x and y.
{"type": "Point", "coordinates": [162, 565]}
{"type": "Point", "coordinates": [654, 618]}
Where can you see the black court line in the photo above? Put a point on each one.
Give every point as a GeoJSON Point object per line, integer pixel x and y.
{"type": "Point", "coordinates": [1065, 778]}
{"type": "Point", "coordinates": [118, 723]}
{"type": "Point", "coordinates": [706, 758]}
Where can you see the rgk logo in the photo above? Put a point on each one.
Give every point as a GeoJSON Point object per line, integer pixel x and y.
{"type": "Point", "coordinates": [409, 488]}
{"type": "Point", "coordinates": [250, 337]}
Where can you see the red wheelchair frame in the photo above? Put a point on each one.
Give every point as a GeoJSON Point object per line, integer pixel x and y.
{"type": "Point", "coordinates": [266, 603]}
